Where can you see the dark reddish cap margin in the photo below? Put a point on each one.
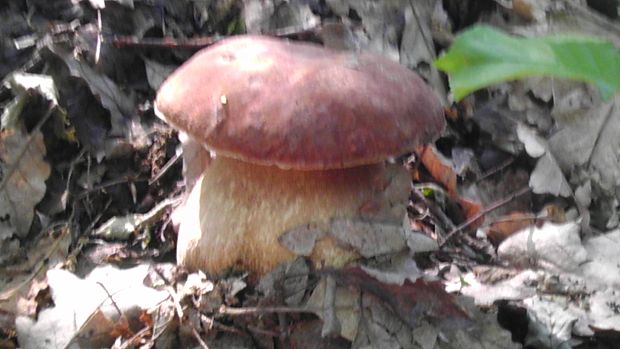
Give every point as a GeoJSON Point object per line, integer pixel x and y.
{"type": "Point", "coordinates": [299, 106]}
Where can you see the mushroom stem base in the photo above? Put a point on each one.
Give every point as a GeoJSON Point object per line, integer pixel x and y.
{"type": "Point", "coordinates": [237, 211]}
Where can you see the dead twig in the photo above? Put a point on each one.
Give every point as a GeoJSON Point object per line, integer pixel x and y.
{"type": "Point", "coordinates": [108, 184]}
{"type": "Point", "coordinates": [224, 310]}
{"type": "Point", "coordinates": [189, 43]}
{"type": "Point", "coordinates": [504, 164]}
{"type": "Point", "coordinates": [485, 211]}
{"type": "Point", "coordinates": [166, 167]}
{"type": "Point", "coordinates": [201, 42]}
{"type": "Point", "coordinates": [202, 343]}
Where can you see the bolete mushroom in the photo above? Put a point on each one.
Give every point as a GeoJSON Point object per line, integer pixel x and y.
{"type": "Point", "coordinates": [301, 135]}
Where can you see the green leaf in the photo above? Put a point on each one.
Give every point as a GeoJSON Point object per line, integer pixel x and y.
{"type": "Point", "coordinates": [483, 56]}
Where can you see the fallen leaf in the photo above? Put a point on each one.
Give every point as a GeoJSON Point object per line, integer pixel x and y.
{"type": "Point", "coordinates": [509, 287]}
{"type": "Point", "coordinates": [368, 238]}
{"type": "Point", "coordinates": [505, 226]}
{"type": "Point", "coordinates": [551, 246]}
{"type": "Point", "coordinates": [603, 266]}
{"type": "Point", "coordinates": [301, 240]}
{"type": "Point", "coordinates": [379, 327]}
{"type": "Point", "coordinates": [156, 72]}
{"type": "Point", "coordinates": [417, 47]}
{"type": "Point", "coordinates": [48, 252]}
{"type": "Point", "coordinates": [78, 300]}
{"type": "Point", "coordinates": [550, 324]}
{"type": "Point", "coordinates": [21, 83]}
{"type": "Point", "coordinates": [265, 16]}
{"type": "Point", "coordinates": [439, 167]}
{"type": "Point", "coordinates": [99, 329]}
{"type": "Point", "coordinates": [121, 228]}
{"type": "Point", "coordinates": [411, 301]}
{"type": "Point", "coordinates": [547, 177]}
{"type": "Point", "coordinates": [119, 103]}
{"type": "Point", "coordinates": [399, 268]}
{"type": "Point", "coordinates": [287, 282]}
{"type": "Point", "coordinates": [307, 335]}
{"type": "Point", "coordinates": [534, 144]}
{"type": "Point", "coordinates": [591, 140]}
{"type": "Point", "coordinates": [442, 170]}
{"type": "Point", "coordinates": [25, 186]}
{"type": "Point", "coordinates": [346, 307]}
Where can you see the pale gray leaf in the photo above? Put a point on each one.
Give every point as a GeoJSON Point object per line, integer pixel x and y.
{"type": "Point", "coordinates": [287, 280]}
{"type": "Point", "coordinates": [603, 268]}
{"type": "Point", "coordinates": [551, 246]}
{"type": "Point", "coordinates": [583, 194]}
{"type": "Point", "coordinates": [604, 310]}
{"type": "Point", "coordinates": [26, 185]}
{"type": "Point", "coordinates": [301, 240]}
{"type": "Point", "coordinates": [591, 139]}
{"type": "Point", "coordinates": [399, 268]}
{"type": "Point", "coordinates": [534, 144]}
{"type": "Point", "coordinates": [21, 83]}
{"type": "Point", "coordinates": [369, 238]}
{"type": "Point", "coordinates": [417, 45]}
{"type": "Point", "coordinates": [550, 324]}
{"type": "Point", "coordinates": [275, 15]}
{"type": "Point", "coordinates": [346, 305]}
{"type": "Point", "coordinates": [547, 178]}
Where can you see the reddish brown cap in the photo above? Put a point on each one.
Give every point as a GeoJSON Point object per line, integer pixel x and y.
{"type": "Point", "coordinates": [297, 105]}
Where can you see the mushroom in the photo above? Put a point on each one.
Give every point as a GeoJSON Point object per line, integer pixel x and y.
{"type": "Point", "coordinates": [301, 135]}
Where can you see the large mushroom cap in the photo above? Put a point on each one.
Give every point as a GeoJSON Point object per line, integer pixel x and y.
{"type": "Point", "coordinates": [299, 106]}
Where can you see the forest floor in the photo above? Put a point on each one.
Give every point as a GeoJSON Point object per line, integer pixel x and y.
{"type": "Point", "coordinates": [510, 239]}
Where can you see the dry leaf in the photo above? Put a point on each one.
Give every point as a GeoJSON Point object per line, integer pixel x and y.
{"type": "Point", "coordinates": [552, 246]}
{"type": "Point", "coordinates": [119, 103]}
{"type": "Point", "coordinates": [441, 170]}
{"type": "Point", "coordinates": [547, 176]}
{"type": "Point", "coordinates": [78, 300]}
{"type": "Point", "coordinates": [301, 240]}
{"type": "Point", "coordinates": [26, 185]}
{"type": "Point", "coordinates": [507, 225]}
{"type": "Point", "coordinates": [369, 239]}
{"type": "Point", "coordinates": [46, 253]}
{"type": "Point", "coordinates": [346, 306]}
{"type": "Point", "coordinates": [410, 301]}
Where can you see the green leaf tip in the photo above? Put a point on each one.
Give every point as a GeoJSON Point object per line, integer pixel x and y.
{"type": "Point", "coordinates": [482, 56]}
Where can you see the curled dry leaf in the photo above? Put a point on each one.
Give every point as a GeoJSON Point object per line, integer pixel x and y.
{"type": "Point", "coordinates": [441, 170]}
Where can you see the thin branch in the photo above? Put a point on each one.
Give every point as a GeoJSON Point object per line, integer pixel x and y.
{"type": "Point", "coordinates": [485, 211]}
{"type": "Point", "coordinates": [224, 310]}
